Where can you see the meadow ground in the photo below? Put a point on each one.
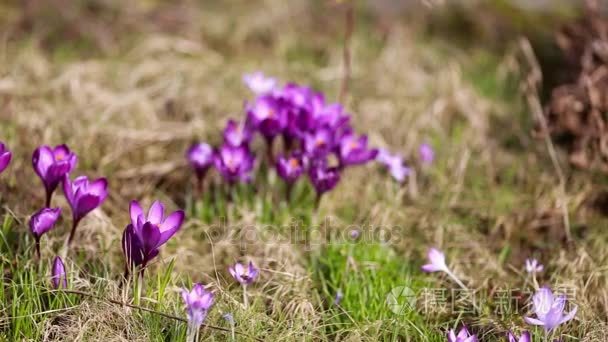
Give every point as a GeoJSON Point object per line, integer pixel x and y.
{"type": "Point", "coordinates": [129, 87]}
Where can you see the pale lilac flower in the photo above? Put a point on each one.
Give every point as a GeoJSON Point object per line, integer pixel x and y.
{"type": "Point", "coordinates": [354, 234]}
{"type": "Point", "coordinates": [338, 298]}
{"type": "Point", "coordinates": [524, 337]}
{"type": "Point", "coordinates": [426, 153]}
{"type": "Point", "coordinates": [395, 165]}
{"type": "Point", "coordinates": [200, 157]}
{"type": "Point", "coordinates": [549, 309]}
{"type": "Point", "coordinates": [436, 261]}
{"type": "Point", "coordinates": [533, 266]}
{"type": "Point", "coordinates": [463, 336]}
{"type": "Point", "coordinates": [258, 83]}
{"type": "Point", "coordinates": [243, 275]}
{"type": "Point", "coordinates": [58, 276]}
{"type": "Point", "coordinates": [198, 302]}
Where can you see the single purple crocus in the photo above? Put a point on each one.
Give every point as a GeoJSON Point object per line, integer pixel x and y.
{"type": "Point", "coordinates": [234, 163]}
{"type": "Point", "coordinates": [267, 116]}
{"type": "Point", "coordinates": [59, 277]}
{"type": "Point", "coordinates": [258, 83]}
{"type": "Point", "coordinates": [549, 309]}
{"type": "Point", "coordinates": [198, 303]}
{"type": "Point", "coordinates": [51, 165]}
{"type": "Point", "coordinates": [290, 167]}
{"type": "Point", "coordinates": [524, 337]}
{"type": "Point", "coordinates": [243, 275]}
{"type": "Point", "coordinates": [5, 157]}
{"type": "Point", "coordinates": [83, 196]}
{"type": "Point", "coordinates": [236, 134]}
{"type": "Point", "coordinates": [200, 157]}
{"type": "Point", "coordinates": [323, 179]}
{"type": "Point", "coordinates": [533, 266]}
{"type": "Point", "coordinates": [41, 222]}
{"type": "Point", "coordinates": [394, 164]}
{"type": "Point", "coordinates": [145, 234]}
{"type": "Point", "coordinates": [463, 336]}
{"type": "Point", "coordinates": [437, 263]}
{"type": "Point", "coordinates": [426, 153]}
{"type": "Point", "coordinates": [355, 151]}
{"type": "Point", "coordinates": [320, 143]}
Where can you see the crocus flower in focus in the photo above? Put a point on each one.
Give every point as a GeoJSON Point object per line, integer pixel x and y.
{"type": "Point", "coordinates": [59, 277]}
{"type": "Point", "coordinates": [234, 163]}
{"type": "Point", "coordinates": [549, 309]}
{"type": "Point", "coordinates": [243, 275]}
{"type": "Point", "coordinates": [51, 165]}
{"type": "Point", "coordinates": [83, 196]}
{"type": "Point", "coordinates": [533, 266]}
{"type": "Point", "coordinates": [437, 264]}
{"type": "Point", "coordinates": [323, 179]}
{"type": "Point", "coordinates": [394, 164]}
{"type": "Point", "coordinates": [291, 167]}
{"type": "Point", "coordinates": [463, 336]}
{"type": "Point", "coordinates": [258, 83]}
{"type": "Point", "coordinates": [524, 337]}
{"type": "Point", "coordinates": [426, 153]}
{"type": "Point", "coordinates": [267, 117]}
{"type": "Point", "coordinates": [198, 302]}
{"type": "Point", "coordinates": [236, 134]}
{"type": "Point", "coordinates": [200, 157]}
{"type": "Point", "coordinates": [144, 236]}
{"type": "Point", "coordinates": [354, 151]}
{"type": "Point", "coordinates": [5, 157]}
{"type": "Point", "coordinates": [41, 222]}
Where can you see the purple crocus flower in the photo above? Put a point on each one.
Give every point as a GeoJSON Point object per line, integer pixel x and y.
{"type": "Point", "coordinates": [426, 153]}
{"type": "Point", "coordinates": [524, 337]}
{"type": "Point", "coordinates": [198, 302]}
{"type": "Point", "coordinates": [234, 163]}
{"type": "Point", "coordinates": [549, 309]}
{"type": "Point", "coordinates": [236, 134]}
{"type": "Point", "coordinates": [533, 266]}
{"type": "Point", "coordinates": [83, 196]}
{"type": "Point", "coordinates": [41, 222]}
{"type": "Point", "coordinates": [5, 157]}
{"type": "Point", "coordinates": [51, 165]}
{"type": "Point", "coordinates": [258, 83]}
{"type": "Point", "coordinates": [395, 165]}
{"type": "Point", "coordinates": [436, 261]}
{"type": "Point", "coordinates": [243, 275]}
{"type": "Point", "coordinates": [463, 336]}
{"type": "Point", "coordinates": [338, 298]}
{"type": "Point", "coordinates": [200, 157]}
{"type": "Point", "coordinates": [331, 116]}
{"type": "Point", "coordinates": [319, 143]}
{"type": "Point", "coordinates": [145, 234]}
{"type": "Point", "coordinates": [267, 117]}
{"type": "Point", "coordinates": [59, 277]}
{"type": "Point", "coordinates": [291, 167]}
{"type": "Point", "coordinates": [354, 151]}
{"type": "Point", "coordinates": [323, 178]}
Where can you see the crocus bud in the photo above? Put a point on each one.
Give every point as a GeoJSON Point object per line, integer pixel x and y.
{"type": "Point", "coordinates": [83, 196]}
{"type": "Point", "coordinates": [243, 275]}
{"type": "Point", "coordinates": [58, 276]}
{"type": "Point", "coordinates": [200, 157]}
{"type": "Point", "coordinates": [5, 157]}
{"type": "Point", "coordinates": [52, 165]}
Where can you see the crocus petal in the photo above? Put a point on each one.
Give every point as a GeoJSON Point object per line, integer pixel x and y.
{"type": "Point", "coordinates": [41, 160]}
{"type": "Point", "coordinates": [151, 236]}
{"type": "Point", "coordinates": [136, 211]}
{"type": "Point", "coordinates": [569, 316]}
{"type": "Point", "coordinates": [533, 321]}
{"type": "Point", "coordinates": [155, 214]}
{"type": "Point", "coordinates": [86, 204]}
{"type": "Point", "coordinates": [171, 225]}
{"type": "Point", "coordinates": [431, 268]}
{"type": "Point", "coordinates": [5, 159]}
{"type": "Point", "coordinates": [525, 337]}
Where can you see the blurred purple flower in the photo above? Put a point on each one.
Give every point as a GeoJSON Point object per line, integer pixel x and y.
{"type": "Point", "coordinates": [236, 134]}
{"type": "Point", "coordinates": [533, 266]}
{"type": "Point", "coordinates": [51, 165]}
{"type": "Point", "coordinates": [243, 275]}
{"type": "Point", "coordinates": [5, 157]}
{"type": "Point", "coordinates": [234, 163]}
{"type": "Point", "coordinates": [426, 153]}
{"type": "Point", "coordinates": [198, 302]}
{"type": "Point", "coordinates": [83, 196]}
{"type": "Point", "coordinates": [549, 309]}
{"type": "Point", "coordinates": [144, 236]}
{"type": "Point", "coordinates": [323, 178]}
{"type": "Point", "coordinates": [267, 117]}
{"type": "Point", "coordinates": [331, 116]}
{"type": "Point", "coordinates": [463, 336]}
{"type": "Point", "coordinates": [200, 157]}
{"type": "Point", "coordinates": [354, 151]}
{"type": "Point", "coordinates": [524, 337]}
{"type": "Point", "coordinates": [354, 234]}
{"type": "Point", "coordinates": [291, 167]}
{"type": "Point", "coordinates": [436, 261]}
{"type": "Point", "coordinates": [395, 165]}
{"type": "Point", "coordinates": [338, 298]}
{"type": "Point", "coordinates": [59, 277]}
{"type": "Point", "coordinates": [319, 143]}
{"type": "Point", "coordinates": [258, 83]}
{"type": "Point", "coordinates": [41, 222]}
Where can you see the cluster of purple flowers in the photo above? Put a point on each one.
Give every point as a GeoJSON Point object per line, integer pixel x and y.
{"type": "Point", "coordinates": [316, 136]}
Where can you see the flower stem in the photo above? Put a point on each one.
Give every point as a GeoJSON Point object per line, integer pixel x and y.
{"type": "Point", "coordinates": [245, 299]}
{"type": "Point", "coordinates": [456, 280]}
{"type": "Point", "coordinates": [49, 196]}
{"type": "Point", "coordinates": [38, 249]}
{"type": "Point", "coordinates": [75, 222]}
{"type": "Point", "coordinates": [192, 332]}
